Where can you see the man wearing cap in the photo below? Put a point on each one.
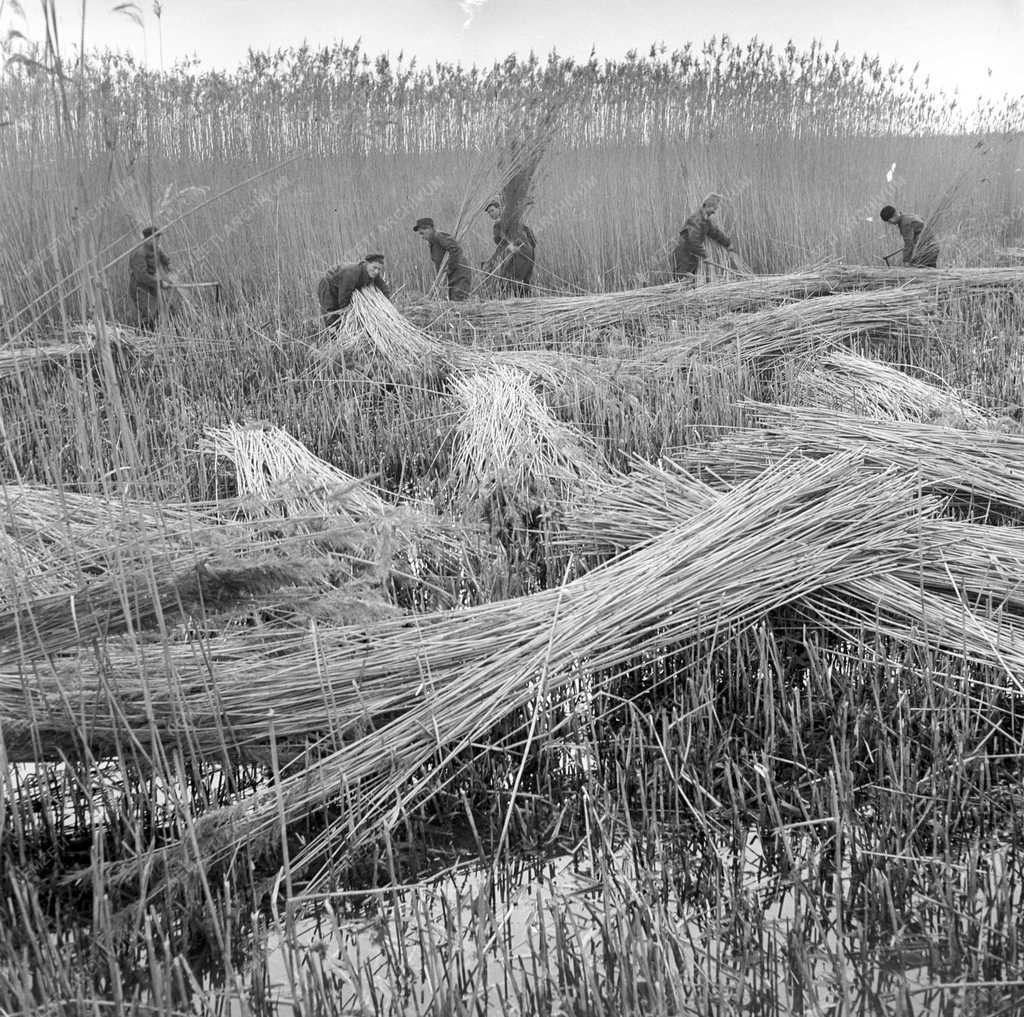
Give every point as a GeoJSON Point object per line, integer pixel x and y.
{"type": "Point", "coordinates": [444, 245]}
{"type": "Point", "coordinates": [920, 248]}
{"type": "Point", "coordinates": [690, 250]}
{"type": "Point", "coordinates": [149, 280]}
{"type": "Point", "coordinates": [336, 288]}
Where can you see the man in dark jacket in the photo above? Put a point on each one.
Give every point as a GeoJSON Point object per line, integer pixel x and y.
{"type": "Point", "coordinates": [515, 248]}
{"type": "Point", "coordinates": [336, 288]}
{"type": "Point", "coordinates": [149, 280]}
{"type": "Point", "coordinates": [443, 245]}
{"type": "Point", "coordinates": [690, 250]}
{"type": "Point", "coordinates": [920, 248]}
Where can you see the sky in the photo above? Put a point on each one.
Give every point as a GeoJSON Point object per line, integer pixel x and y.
{"type": "Point", "coordinates": [976, 49]}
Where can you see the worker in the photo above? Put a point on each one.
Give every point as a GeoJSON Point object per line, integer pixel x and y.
{"type": "Point", "coordinates": [515, 246]}
{"type": "Point", "coordinates": [444, 245]}
{"type": "Point", "coordinates": [920, 248]}
{"type": "Point", "coordinates": [336, 288]}
{"type": "Point", "coordinates": [690, 250]}
{"type": "Point", "coordinates": [149, 280]}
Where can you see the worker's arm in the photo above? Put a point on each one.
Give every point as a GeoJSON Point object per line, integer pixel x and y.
{"type": "Point", "coordinates": [328, 297]}
{"type": "Point", "coordinates": [451, 247]}
{"type": "Point", "coordinates": [718, 236]}
{"type": "Point", "coordinates": [344, 288]}
{"type": "Point", "coordinates": [382, 286]}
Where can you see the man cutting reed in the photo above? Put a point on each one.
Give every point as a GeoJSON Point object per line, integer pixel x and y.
{"type": "Point", "coordinates": [515, 248]}
{"type": "Point", "coordinates": [690, 251]}
{"type": "Point", "coordinates": [336, 288]}
{"type": "Point", "coordinates": [150, 284]}
{"type": "Point", "coordinates": [446, 252]}
{"type": "Point", "coordinates": [920, 248]}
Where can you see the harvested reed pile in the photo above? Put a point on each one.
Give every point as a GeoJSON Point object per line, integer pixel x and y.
{"type": "Point", "coordinates": [512, 458]}
{"type": "Point", "coordinates": [278, 476]}
{"type": "Point", "coordinates": [282, 476]}
{"type": "Point", "coordinates": [212, 591]}
{"type": "Point", "coordinates": [808, 326]}
{"type": "Point", "coordinates": [79, 343]}
{"type": "Point", "coordinates": [560, 318]}
{"type": "Point", "coordinates": [407, 545]}
{"type": "Point", "coordinates": [92, 534]}
{"type": "Point", "coordinates": [957, 589]}
{"type": "Point", "coordinates": [377, 338]}
{"type": "Point", "coordinates": [434, 686]}
{"type": "Point", "coordinates": [981, 471]}
{"type": "Point", "coordinates": [563, 377]}
{"type": "Point", "coordinates": [851, 383]}
{"type": "Point", "coordinates": [28, 572]}
{"type": "Point", "coordinates": [14, 359]}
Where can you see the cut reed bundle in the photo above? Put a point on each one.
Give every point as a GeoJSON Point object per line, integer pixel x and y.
{"type": "Point", "coordinates": [93, 534]}
{"type": "Point", "coordinates": [14, 359]}
{"type": "Point", "coordinates": [375, 336]}
{"type": "Point", "coordinates": [957, 589]}
{"type": "Point", "coordinates": [206, 589]}
{"type": "Point", "coordinates": [509, 450]}
{"type": "Point", "coordinates": [981, 471]}
{"type": "Point", "coordinates": [278, 477]}
{"type": "Point", "coordinates": [273, 468]}
{"type": "Point", "coordinates": [436, 685]}
{"type": "Point", "coordinates": [851, 383]}
{"type": "Point", "coordinates": [797, 329]}
{"type": "Point", "coordinates": [567, 316]}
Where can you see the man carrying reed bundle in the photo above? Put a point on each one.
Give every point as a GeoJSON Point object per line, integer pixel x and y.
{"type": "Point", "coordinates": [446, 251]}
{"type": "Point", "coordinates": [511, 264]}
{"type": "Point", "coordinates": [920, 248]}
{"type": "Point", "coordinates": [336, 288]}
{"type": "Point", "coordinates": [690, 251]}
{"type": "Point", "coordinates": [149, 280]}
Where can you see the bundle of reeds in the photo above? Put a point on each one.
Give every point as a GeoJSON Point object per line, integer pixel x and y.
{"type": "Point", "coordinates": [376, 337]}
{"type": "Point", "coordinates": [94, 534]}
{"type": "Point", "coordinates": [797, 329]}
{"type": "Point", "coordinates": [282, 475]}
{"type": "Point", "coordinates": [278, 477]}
{"type": "Point", "coordinates": [208, 588]}
{"type": "Point", "coordinates": [27, 571]}
{"type": "Point", "coordinates": [982, 471]}
{"type": "Point", "coordinates": [439, 685]}
{"type": "Point", "coordinates": [851, 383]}
{"type": "Point", "coordinates": [567, 316]}
{"type": "Point", "coordinates": [14, 359]}
{"type": "Point", "coordinates": [509, 449]}
{"type": "Point", "coordinates": [956, 589]}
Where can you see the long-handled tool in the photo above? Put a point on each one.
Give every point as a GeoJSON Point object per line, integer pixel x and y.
{"type": "Point", "coordinates": [199, 286]}
{"type": "Point", "coordinates": [886, 257]}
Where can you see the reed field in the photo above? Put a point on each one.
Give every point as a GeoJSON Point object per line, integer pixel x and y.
{"type": "Point", "coordinates": [637, 647]}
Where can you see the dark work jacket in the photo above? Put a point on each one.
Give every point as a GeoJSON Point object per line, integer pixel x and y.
{"type": "Point", "coordinates": [336, 289]}
{"type": "Point", "coordinates": [696, 230]}
{"type": "Point", "coordinates": [458, 271]}
{"type": "Point", "coordinates": [142, 262]}
{"type": "Point", "coordinates": [513, 267]}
